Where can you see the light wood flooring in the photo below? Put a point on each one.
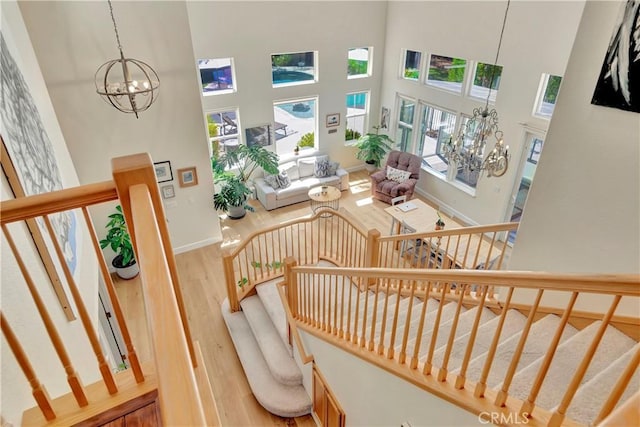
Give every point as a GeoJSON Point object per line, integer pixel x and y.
{"type": "Point", "coordinates": [203, 289]}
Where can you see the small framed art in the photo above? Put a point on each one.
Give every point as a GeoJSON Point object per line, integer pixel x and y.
{"type": "Point", "coordinates": [168, 191]}
{"type": "Point", "coordinates": [333, 120]}
{"type": "Point", "coordinates": [163, 171]}
{"type": "Point", "coordinates": [188, 177]}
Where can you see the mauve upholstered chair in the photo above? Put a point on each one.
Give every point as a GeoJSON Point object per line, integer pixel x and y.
{"type": "Point", "coordinates": [385, 189]}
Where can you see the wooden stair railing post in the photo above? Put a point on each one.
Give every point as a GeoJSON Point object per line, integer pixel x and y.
{"type": "Point", "coordinates": [229, 276]}
{"type": "Point", "coordinates": [291, 282]}
{"type": "Point", "coordinates": [138, 169]}
{"type": "Point", "coordinates": [72, 375]}
{"type": "Point", "coordinates": [37, 389]}
{"type": "Point", "coordinates": [372, 258]}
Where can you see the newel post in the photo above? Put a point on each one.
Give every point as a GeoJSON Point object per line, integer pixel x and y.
{"type": "Point", "coordinates": [372, 258]}
{"type": "Point", "coordinates": [291, 285]}
{"type": "Point", "coordinates": [229, 277]}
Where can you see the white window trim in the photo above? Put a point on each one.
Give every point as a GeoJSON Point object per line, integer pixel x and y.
{"type": "Point", "coordinates": [403, 61]}
{"type": "Point", "coordinates": [234, 89]}
{"type": "Point", "coordinates": [463, 84]}
{"type": "Point", "coordinates": [316, 76]}
{"type": "Point", "coordinates": [422, 106]}
{"type": "Point", "coordinates": [316, 139]}
{"type": "Point", "coordinates": [369, 64]}
{"type": "Point", "coordinates": [470, 84]}
{"type": "Point", "coordinates": [542, 88]}
{"type": "Point", "coordinates": [365, 115]}
{"type": "Point", "coordinates": [411, 126]}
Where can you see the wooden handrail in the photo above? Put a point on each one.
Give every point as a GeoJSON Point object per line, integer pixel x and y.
{"type": "Point", "coordinates": [178, 391]}
{"type": "Point", "coordinates": [476, 229]}
{"type": "Point", "coordinates": [56, 201]}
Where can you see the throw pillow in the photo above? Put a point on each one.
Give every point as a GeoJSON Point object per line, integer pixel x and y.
{"type": "Point", "coordinates": [283, 180]}
{"type": "Point", "coordinates": [321, 169]}
{"type": "Point", "coordinates": [397, 175]}
{"type": "Point", "coordinates": [333, 168]}
{"type": "Point", "coordinates": [306, 167]}
{"type": "Point", "coordinates": [272, 181]}
{"type": "Point", "coordinates": [291, 168]}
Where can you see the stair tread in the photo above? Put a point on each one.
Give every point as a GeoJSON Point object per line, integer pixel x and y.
{"type": "Point", "coordinates": [448, 312]}
{"type": "Point", "coordinates": [270, 297]}
{"type": "Point", "coordinates": [281, 364]}
{"type": "Point", "coordinates": [565, 362]}
{"type": "Point", "coordinates": [280, 399]}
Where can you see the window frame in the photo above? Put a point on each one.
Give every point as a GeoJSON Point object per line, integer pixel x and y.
{"type": "Point", "coordinates": [422, 108]}
{"type": "Point", "coordinates": [542, 90]}
{"type": "Point", "coordinates": [296, 83]}
{"type": "Point", "coordinates": [465, 73]}
{"type": "Point", "coordinates": [403, 65]}
{"type": "Point", "coordinates": [234, 83]}
{"type": "Point", "coordinates": [237, 136]}
{"type": "Point", "coordinates": [409, 126]}
{"type": "Point", "coordinates": [494, 92]}
{"type": "Point", "coordinates": [315, 99]}
{"type": "Point", "coordinates": [369, 72]}
{"type": "Point", "coordinates": [365, 125]}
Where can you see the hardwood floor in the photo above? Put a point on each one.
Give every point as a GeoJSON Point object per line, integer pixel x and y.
{"type": "Point", "coordinates": [203, 289]}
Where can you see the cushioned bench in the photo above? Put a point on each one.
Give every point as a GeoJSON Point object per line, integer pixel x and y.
{"type": "Point", "coordinates": [302, 175]}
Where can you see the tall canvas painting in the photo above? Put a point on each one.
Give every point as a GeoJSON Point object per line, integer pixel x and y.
{"type": "Point", "coordinates": [619, 82]}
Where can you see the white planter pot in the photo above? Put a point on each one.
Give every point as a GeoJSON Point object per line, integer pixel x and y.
{"type": "Point", "coordinates": [236, 212]}
{"type": "Point", "coordinates": [128, 272]}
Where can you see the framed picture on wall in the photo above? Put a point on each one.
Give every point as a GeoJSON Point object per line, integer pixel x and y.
{"type": "Point", "coordinates": [168, 191]}
{"type": "Point", "coordinates": [163, 171]}
{"type": "Point", "coordinates": [333, 120]}
{"type": "Point", "coordinates": [188, 177]}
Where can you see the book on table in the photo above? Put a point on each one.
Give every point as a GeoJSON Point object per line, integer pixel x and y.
{"type": "Point", "coordinates": [407, 206]}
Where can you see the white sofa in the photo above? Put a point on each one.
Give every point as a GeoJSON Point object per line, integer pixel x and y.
{"type": "Point", "coordinates": [302, 177]}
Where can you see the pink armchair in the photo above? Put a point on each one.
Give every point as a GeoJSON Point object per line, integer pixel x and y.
{"type": "Point", "coordinates": [385, 189]}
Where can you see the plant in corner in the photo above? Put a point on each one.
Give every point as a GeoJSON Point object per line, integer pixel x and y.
{"type": "Point", "coordinates": [232, 171]}
{"type": "Point", "coordinates": [372, 148]}
{"type": "Point", "coordinates": [119, 241]}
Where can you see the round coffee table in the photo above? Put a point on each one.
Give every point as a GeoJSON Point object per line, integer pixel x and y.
{"type": "Point", "coordinates": [324, 196]}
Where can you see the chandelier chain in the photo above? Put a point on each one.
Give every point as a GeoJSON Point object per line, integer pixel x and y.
{"type": "Point", "coordinates": [495, 62]}
{"type": "Point", "coordinates": [115, 26]}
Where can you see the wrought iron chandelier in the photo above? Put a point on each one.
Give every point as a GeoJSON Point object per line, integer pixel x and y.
{"type": "Point", "coordinates": [468, 150]}
{"type": "Point", "coordinates": [132, 86]}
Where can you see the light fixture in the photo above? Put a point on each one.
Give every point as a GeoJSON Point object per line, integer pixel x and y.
{"type": "Point", "coordinates": [132, 86]}
{"type": "Point", "coordinates": [468, 150]}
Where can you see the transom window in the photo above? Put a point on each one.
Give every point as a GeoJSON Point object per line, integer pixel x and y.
{"type": "Point", "coordinates": [436, 127]}
{"type": "Point", "coordinates": [224, 130]}
{"type": "Point", "coordinates": [482, 79]}
{"type": "Point", "coordinates": [288, 69]}
{"type": "Point", "coordinates": [359, 62]}
{"type": "Point", "coordinates": [411, 70]}
{"type": "Point", "coordinates": [547, 94]}
{"type": "Point", "coordinates": [295, 124]}
{"type": "Point", "coordinates": [216, 76]}
{"type": "Point", "coordinates": [404, 133]}
{"type": "Point", "coordinates": [357, 110]}
{"type": "Point", "coordinates": [446, 73]}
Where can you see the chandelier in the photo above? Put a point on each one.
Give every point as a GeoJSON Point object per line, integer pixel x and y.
{"type": "Point", "coordinates": [468, 150]}
{"type": "Point", "coordinates": [132, 86]}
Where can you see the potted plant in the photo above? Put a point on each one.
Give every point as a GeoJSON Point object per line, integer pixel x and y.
{"type": "Point", "coordinates": [372, 148]}
{"type": "Point", "coordinates": [439, 223]}
{"type": "Point", "coordinates": [233, 170]}
{"type": "Point", "coordinates": [119, 241]}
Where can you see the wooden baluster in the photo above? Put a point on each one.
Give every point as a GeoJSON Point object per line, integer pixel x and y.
{"type": "Point", "coordinates": [482, 382]}
{"type": "Point", "coordinates": [115, 301]}
{"type": "Point", "coordinates": [407, 324]}
{"type": "Point", "coordinates": [373, 250]}
{"type": "Point", "coordinates": [558, 415]}
{"type": "Point", "coordinates": [528, 405]}
{"type": "Point", "coordinates": [326, 301]}
{"type": "Point", "coordinates": [394, 326]}
{"type": "Point", "coordinates": [72, 376]}
{"type": "Point", "coordinates": [292, 285]}
{"type": "Point", "coordinates": [501, 397]}
{"type": "Point", "coordinates": [436, 326]}
{"type": "Point", "coordinates": [383, 327]}
{"type": "Point", "coordinates": [317, 318]}
{"type": "Point", "coordinates": [334, 285]}
{"type": "Point", "coordinates": [619, 388]}
{"type": "Point", "coordinates": [416, 349]}
{"type": "Point", "coordinates": [37, 389]}
{"type": "Point", "coordinates": [466, 250]}
{"type": "Point", "coordinates": [347, 335]}
{"type": "Point", "coordinates": [460, 379]}
{"type": "Point", "coordinates": [372, 332]}
{"type": "Point", "coordinates": [105, 369]}
{"type": "Point", "coordinates": [341, 327]}
{"type": "Point", "coordinates": [442, 373]}
{"type": "Point", "coordinates": [364, 315]}
{"type": "Point", "coordinates": [229, 274]}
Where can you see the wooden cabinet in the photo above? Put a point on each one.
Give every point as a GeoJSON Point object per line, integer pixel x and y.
{"type": "Point", "coordinates": [325, 405]}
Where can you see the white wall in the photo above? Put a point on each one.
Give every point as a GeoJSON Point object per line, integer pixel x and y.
{"type": "Point", "coordinates": [250, 32]}
{"type": "Point", "coordinates": [17, 304]}
{"type": "Point", "coordinates": [537, 39]}
{"type": "Point", "coordinates": [586, 193]}
{"type": "Point", "coordinates": [370, 396]}
{"type": "Point", "coordinates": [71, 40]}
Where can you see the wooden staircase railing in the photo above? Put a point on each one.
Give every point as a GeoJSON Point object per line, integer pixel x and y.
{"type": "Point", "coordinates": [173, 373]}
{"type": "Point", "coordinates": [328, 303]}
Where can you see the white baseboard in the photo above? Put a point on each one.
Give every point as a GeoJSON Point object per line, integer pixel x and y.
{"type": "Point", "coordinates": [195, 245]}
{"type": "Point", "coordinates": [355, 168]}
{"type": "Point", "coordinates": [446, 209]}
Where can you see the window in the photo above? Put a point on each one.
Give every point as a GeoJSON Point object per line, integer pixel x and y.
{"type": "Point", "coordinates": [224, 130]}
{"type": "Point", "coordinates": [359, 62]}
{"type": "Point", "coordinates": [295, 124]}
{"type": "Point", "coordinates": [216, 76]}
{"type": "Point", "coordinates": [469, 178]}
{"type": "Point", "coordinates": [482, 78]}
{"type": "Point", "coordinates": [357, 108]}
{"type": "Point", "coordinates": [406, 108]}
{"type": "Point", "coordinates": [411, 70]}
{"type": "Point", "coordinates": [536, 149]}
{"type": "Point", "coordinates": [547, 94]}
{"type": "Point", "coordinates": [446, 73]}
{"type": "Point", "coordinates": [436, 127]}
{"type": "Point", "coordinates": [288, 69]}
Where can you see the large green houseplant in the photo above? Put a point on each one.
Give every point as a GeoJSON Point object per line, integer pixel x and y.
{"type": "Point", "coordinates": [119, 241]}
{"type": "Point", "coordinates": [372, 147]}
{"type": "Point", "coordinates": [232, 170]}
